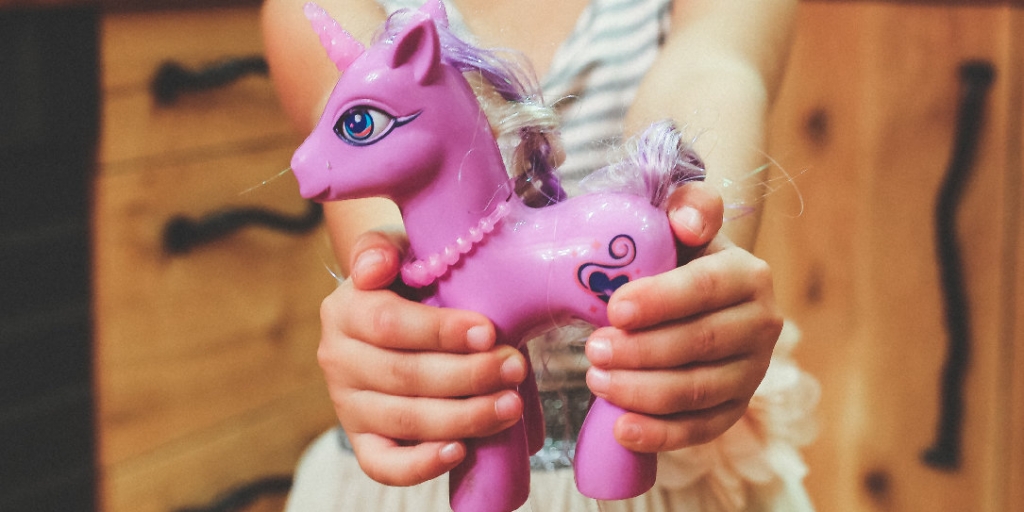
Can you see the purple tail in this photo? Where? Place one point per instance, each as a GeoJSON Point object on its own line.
{"type": "Point", "coordinates": [658, 162]}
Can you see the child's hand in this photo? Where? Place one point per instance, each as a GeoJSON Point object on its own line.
{"type": "Point", "coordinates": [408, 381]}
{"type": "Point", "coordinates": [687, 348]}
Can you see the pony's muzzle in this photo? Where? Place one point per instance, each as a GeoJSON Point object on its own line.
{"type": "Point", "coordinates": [312, 173]}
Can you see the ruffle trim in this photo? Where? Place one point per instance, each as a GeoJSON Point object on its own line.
{"type": "Point", "coordinates": [755, 465]}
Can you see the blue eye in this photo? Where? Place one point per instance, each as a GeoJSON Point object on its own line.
{"type": "Point", "coordinates": [363, 125]}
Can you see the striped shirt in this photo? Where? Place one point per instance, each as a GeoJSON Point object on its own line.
{"type": "Point", "coordinates": [594, 75]}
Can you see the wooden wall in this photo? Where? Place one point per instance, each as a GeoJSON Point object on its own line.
{"type": "Point", "coordinates": [206, 362]}
{"type": "Point", "coordinates": [865, 127]}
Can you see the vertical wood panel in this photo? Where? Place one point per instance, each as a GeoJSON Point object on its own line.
{"type": "Point", "coordinates": [136, 128]}
{"type": "Point", "coordinates": [866, 119]}
{"type": "Point", "coordinates": [201, 467]}
{"type": "Point", "coordinates": [814, 139]}
{"type": "Point", "coordinates": [205, 362]}
{"type": "Point", "coordinates": [1014, 342]}
{"type": "Point", "coordinates": [196, 353]}
{"type": "Point", "coordinates": [188, 341]}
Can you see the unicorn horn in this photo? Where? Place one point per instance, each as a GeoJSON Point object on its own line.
{"type": "Point", "coordinates": [436, 11]}
{"type": "Point", "coordinates": [341, 47]}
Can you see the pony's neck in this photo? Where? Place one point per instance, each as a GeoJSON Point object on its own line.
{"type": "Point", "coordinates": [468, 187]}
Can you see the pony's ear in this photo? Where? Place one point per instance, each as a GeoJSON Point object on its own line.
{"type": "Point", "coordinates": [341, 47]}
{"type": "Point", "coordinates": [436, 11]}
{"type": "Point", "coordinates": [419, 46]}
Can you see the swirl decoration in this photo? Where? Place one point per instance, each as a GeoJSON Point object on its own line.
{"type": "Point", "coordinates": [593, 277]}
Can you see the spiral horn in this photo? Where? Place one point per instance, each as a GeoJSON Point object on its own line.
{"type": "Point", "coordinates": [341, 47]}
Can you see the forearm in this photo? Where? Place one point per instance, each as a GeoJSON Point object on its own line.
{"type": "Point", "coordinates": [727, 123]}
{"type": "Point", "coordinates": [346, 220]}
{"type": "Point", "coordinates": [716, 77]}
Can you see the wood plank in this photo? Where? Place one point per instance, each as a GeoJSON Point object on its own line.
{"type": "Point", "coordinates": [124, 5]}
{"type": "Point", "coordinates": [184, 343]}
{"type": "Point", "coordinates": [814, 137]}
{"type": "Point", "coordinates": [205, 363]}
{"type": "Point", "coordinates": [196, 470]}
{"type": "Point", "coordinates": [138, 134]}
{"type": "Point", "coordinates": [162, 5]}
{"type": "Point", "coordinates": [983, 222]}
{"type": "Point", "coordinates": [868, 110]}
{"type": "Point", "coordinates": [135, 127]}
{"type": "Point", "coordinates": [1014, 339]}
{"type": "Point", "coordinates": [134, 44]}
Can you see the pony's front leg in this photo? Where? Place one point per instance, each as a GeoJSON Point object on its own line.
{"type": "Point", "coordinates": [604, 469]}
{"type": "Point", "coordinates": [533, 412]}
{"type": "Point", "coordinates": [495, 476]}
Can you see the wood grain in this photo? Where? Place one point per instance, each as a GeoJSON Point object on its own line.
{"type": "Point", "coordinates": [866, 123]}
{"type": "Point", "coordinates": [134, 44]}
{"type": "Point", "coordinates": [1013, 340]}
{"type": "Point", "coordinates": [190, 340]}
{"type": "Point", "coordinates": [125, 5]}
{"type": "Point", "coordinates": [135, 126]}
{"type": "Point", "coordinates": [200, 468]}
{"type": "Point", "coordinates": [205, 363]}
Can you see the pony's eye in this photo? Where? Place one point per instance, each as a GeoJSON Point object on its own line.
{"type": "Point", "coordinates": [363, 125]}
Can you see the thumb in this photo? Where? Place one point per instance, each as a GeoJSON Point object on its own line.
{"type": "Point", "coordinates": [695, 212]}
{"type": "Point", "coordinates": [376, 257]}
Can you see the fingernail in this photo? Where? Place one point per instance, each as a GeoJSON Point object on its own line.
{"type": "Point", "coordinates": [623, 311]}
{"type": "Point", "coordinates": [451, 453]}
{"type": "Point", "coordinates": [507, 407]}
{"type": "Point", "coordinates": [631, 433]}
{"type": "Point", "coordinates": [513, 371]}
{"type": "Point", "coordinates": [478, 338]}
{"type": "Point", "coordinates": [598, 381]}
{"type": "Point", "coordinates": [367, 260]}
{"type": "Point", "coordinates": [691, 219]}
{"type": "Point", "coordinates": [599, 351]}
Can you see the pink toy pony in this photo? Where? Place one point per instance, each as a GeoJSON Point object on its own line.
{"type": "Point", "coordinates": [404, 123]}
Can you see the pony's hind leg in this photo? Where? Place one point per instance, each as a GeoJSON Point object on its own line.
{"type": "Point", "coordinates": [604, 469]}
{"type": "Point", "coordinates": [495, 475]}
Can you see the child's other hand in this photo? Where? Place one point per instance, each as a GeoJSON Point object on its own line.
{"type": "Point", "coordinates": [687, 348]}
{"type": "Point", "coordinates": [409, 381]}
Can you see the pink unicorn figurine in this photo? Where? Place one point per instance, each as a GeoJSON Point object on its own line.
{"type": "Point", "coordinates": [404, 123]}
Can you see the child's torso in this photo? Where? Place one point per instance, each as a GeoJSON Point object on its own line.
{"type": "Point", "coordinates": [534, 27]}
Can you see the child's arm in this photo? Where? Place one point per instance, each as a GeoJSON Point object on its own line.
{"type": "Point", "coordinates": [717, 76]}
{"type": "Point", "coordinates": [690, 346]}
